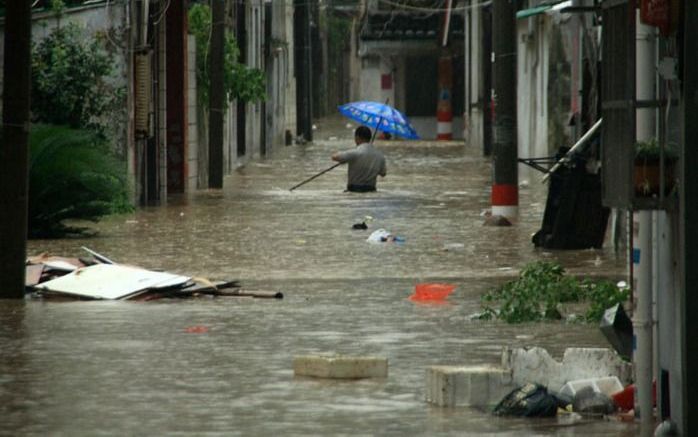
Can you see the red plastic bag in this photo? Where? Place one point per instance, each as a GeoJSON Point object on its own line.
{"type": "Point", "coordinates": [432, 291]}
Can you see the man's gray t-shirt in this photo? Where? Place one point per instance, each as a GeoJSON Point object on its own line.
{"type": "Point", "coordinates": [365, 164]}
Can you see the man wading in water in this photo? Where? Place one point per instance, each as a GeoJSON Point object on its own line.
{"type": "Point", "coordinates": [365, 162]}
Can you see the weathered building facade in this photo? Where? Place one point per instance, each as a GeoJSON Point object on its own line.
{"type": "Point", "coordinates": [413, 57]}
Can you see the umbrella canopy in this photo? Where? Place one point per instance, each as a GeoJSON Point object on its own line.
{"type": "Point", "coordinates": [380, 116]}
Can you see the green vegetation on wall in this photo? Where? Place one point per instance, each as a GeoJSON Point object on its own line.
{"type": "Point", "coordinates": [70, 80]}
{"type": "Point", "coordinates": [73, 172]}
{"type": "Point", "coordinates": [338, 33]}
{"type": "Point", "coordinates": [240, 82]}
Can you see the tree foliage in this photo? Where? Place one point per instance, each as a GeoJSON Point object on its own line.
{"type": "Point", "coordinates": [70, 80]}
{"type": "Point", "coordinates": [240, 82]}
{"type": "Point", "coordinates": [72, 175]}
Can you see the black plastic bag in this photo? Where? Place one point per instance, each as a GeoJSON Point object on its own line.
{"type": "Point", "coordinates": [531, 400]}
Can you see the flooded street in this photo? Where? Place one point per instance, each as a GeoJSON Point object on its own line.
{"type": "Point", "coordinates": [131, 368]}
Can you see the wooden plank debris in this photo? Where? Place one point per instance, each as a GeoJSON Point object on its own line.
{"type": "Point", "coordinates": [55, 277]}
{"type": "Point", "coordinates": [111, 281]}
{"type": "Point", "coordinates": [101, 258]}
{"type": "Point", "coordinates": [33, 274]}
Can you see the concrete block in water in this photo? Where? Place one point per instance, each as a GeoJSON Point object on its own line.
{"type": "Point", "coordinates": [340, 366]}
{"type": "Point", "coordinates": [471, 386]}
{"type": "Point", "coordinates": [535, 365]}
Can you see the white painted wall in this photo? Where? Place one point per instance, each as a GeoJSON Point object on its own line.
{"type": "Point", "coordinates": [372, 68]}
{"type": "Point", "coordinates": [473, 129]}
{"type": "Point", "coordinates": [532, 85]}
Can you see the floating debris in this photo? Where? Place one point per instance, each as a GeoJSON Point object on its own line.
{"type": "Point", "coordinates": [101, 278]}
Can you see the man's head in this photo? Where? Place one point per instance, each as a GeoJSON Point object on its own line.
{"type": "Point", "coordinates": [362, 134]}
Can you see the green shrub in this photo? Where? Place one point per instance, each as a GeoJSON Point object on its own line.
{"type": "Point", "coordinates": [69, 80]}
{"type": "Point", "coordinates": [650, 150]}
{"type": "Point", "coordinates": [72, 175]}
{"type": "Point", "coordinates": [539, 291]}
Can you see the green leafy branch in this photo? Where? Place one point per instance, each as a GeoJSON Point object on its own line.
{"type": "Point", "coordinates": [540, 290]}
{"type": "Point", "coordinates": [240, 82]}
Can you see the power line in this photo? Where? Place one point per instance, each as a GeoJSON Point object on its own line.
{"type": "Point", "coordinates": [423, 9]}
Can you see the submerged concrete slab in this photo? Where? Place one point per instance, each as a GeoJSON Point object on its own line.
{"type": "Point", "coordinates": [467, 386]}
{"type": "Point", "coordinates": [340, 366]}
{"type": "Point", "coordinates": [535, 365]}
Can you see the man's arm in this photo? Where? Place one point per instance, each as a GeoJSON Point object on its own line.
{"type": "Point", "coordinates": [345, 156]}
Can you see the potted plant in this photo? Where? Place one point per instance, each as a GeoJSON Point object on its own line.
{"type": "Point", "coordinates": [647, 168]}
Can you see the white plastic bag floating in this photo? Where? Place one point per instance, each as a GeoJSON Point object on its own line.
{"type": "Point", "coordinates": [382, 236]}
{"type": "Point", "coordinates": [379, 236]}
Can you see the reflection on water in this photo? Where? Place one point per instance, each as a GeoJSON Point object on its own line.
{"type": "Point", "coordinates": [125, 368]}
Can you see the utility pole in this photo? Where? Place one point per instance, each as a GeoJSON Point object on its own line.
{"type": "Point", "coordinates": [505, 189]}
{"type": "Point", "coordinates": [241, 35]}
{"type": "Point", "coordinates": [304, 101]}
{"type": "Point", "coordinates": [216, 96]}
{"type": "Point", "coordinates": [486, 70]}
{"type": "Point", "coordinates": [13, 150]}
{"type": "Point", "coordinates": [689, 215]}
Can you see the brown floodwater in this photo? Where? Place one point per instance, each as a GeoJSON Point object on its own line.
{"type": "Point", "coordinates": [133, 368]}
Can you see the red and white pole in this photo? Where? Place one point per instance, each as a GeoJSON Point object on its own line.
{"type": "Point", "coordinates": [444, 112]}
{"type": "Point", "coordinates": [505, 189]}
{"type": "Point", "coordinates": [505, 200]}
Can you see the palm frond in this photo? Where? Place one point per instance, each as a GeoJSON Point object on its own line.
{"type": "Point", "coordinates": [72, 175]}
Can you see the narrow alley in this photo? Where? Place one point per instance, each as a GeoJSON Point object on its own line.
{"type": "Point", "coordinates": [133, 369]}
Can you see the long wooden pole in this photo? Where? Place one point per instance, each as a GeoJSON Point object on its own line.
{"type": "Point", "coordinates": [313, 177]}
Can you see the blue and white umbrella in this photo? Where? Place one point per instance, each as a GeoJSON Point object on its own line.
{"type": "Point", "coordinates": [380, 116]}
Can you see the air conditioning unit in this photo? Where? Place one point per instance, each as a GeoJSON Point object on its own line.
{"type": "Point", "coordinates": [143, 94]}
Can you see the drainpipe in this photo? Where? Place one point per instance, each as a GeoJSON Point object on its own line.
{"type": "Point", "coordinates": [145, 5]}
{"type": "Point", "coordinates": [642, 316]}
